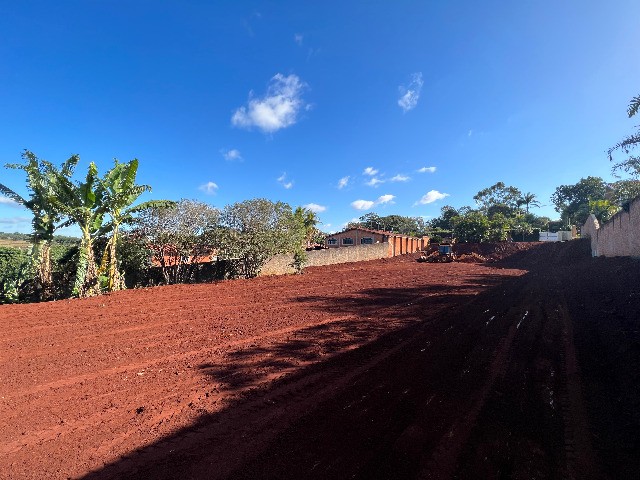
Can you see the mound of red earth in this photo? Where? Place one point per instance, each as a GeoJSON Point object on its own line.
{"type": "Point", "coordinates": [492, 251]}
{"type": "Point", "coordinates": [526, 367]}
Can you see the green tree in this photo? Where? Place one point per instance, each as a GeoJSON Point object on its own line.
{"type": "Point", "coordinates": [413, 226]}
{"type": "Point", "coordinates": [628, 144]}
{"type": "Point", "coordinates": [83, 203]}
{"type": "Point", "coordinates": [572, 201]}
{"type": "Point", "coordinates": [498, 195]}
{"type": "Point", "coordinates": [623, 191]}
{"type": "Point", "coordinates": [602, 209]}
{"type": "Point", "coordinates": [443, 222]}
{"type": "Point", "coordinates": [254, 230]}
{"type": "Point", "coordinates": [372, 221]}
{"type": "Point", "coordinates": [119, 194]}
{"type": "Point", "coordinates": [499, 227]}
{"type": "Point", "coordinates": [471, 227]}
{"type": "Point", "coordinates": [179, 236]}
{"type": "Point", "coordinates": [47, 217]}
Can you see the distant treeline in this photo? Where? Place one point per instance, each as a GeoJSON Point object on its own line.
{"type": "Point", "coordinates": [25, 237]}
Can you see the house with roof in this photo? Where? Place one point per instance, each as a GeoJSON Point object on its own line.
{"type": "Point", "coordinates": [398, 244]}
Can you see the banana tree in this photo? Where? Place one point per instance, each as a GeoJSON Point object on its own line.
{"type": "Point", "coordinates": [47, 217]}
{"type": "Point", "coordinates": [83, 204]}
{"type": "Point", "coordinates": [119, 194]}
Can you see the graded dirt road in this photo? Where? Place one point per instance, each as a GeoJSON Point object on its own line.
{"type": "Point", "coordinates": [381, 369]}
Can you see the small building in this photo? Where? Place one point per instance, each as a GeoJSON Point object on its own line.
{"type": "Point", "coordinates": [398, 244]}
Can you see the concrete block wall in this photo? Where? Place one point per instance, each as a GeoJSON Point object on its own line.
{"type": "Point", "coordinates": [281, 264]}
{"type": "Point", "coordinates": [620, 236]}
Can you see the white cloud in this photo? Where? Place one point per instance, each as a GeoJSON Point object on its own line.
{"type": "Point", "coordinates": [282, 180]}
{"type": "Point", "coordinates": [426, 170]}
{"type": "Point", "coordinates": [232, 155]}
{"type": "Point", "coordinates": [370, 171]}
{"type": "Point", "coordinates": [362, 204]}
{"type": "Point", "coordinates": [9, 202]}
{"type": "Point", "coordinates": [470, 133]}
{"type": "Point", "coordinates": [400, 178]}
{"type": "Point", "coordinates": [343, 182]}
{"type": "Point", "coordinates": [374, 182]}
{"type": "Point", "coordinates": [410, 94]}
{"type": "Point", "coordinates": [314, 207]}
{"type": "Point", "coordinates": [298, 38]}
{"type": "Point", "coordinates": [367, 204]}
{"type": "Point", "coordinates": [431, 196]}
{"type": "Point", "coordinates": [209, 188]}
{"type": "Point", "coordinates": [278, 109]}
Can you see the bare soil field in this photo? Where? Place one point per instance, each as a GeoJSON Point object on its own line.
{"type": "Point", "coordinates": [523, 367]}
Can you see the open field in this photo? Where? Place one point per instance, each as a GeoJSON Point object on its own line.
{"type": "Point", "coordinates": [525, 368]}
{"type": "Point", "coordinates": [21, 244]}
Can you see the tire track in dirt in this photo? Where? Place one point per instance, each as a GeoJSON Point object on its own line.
{"type": "Point", "coordinates": [444, 458]}
{"type": "Point", "coordinates": [581, 458]}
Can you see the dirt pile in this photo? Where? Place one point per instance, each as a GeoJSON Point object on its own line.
{"type": "Point", "coordinates": [492, 251]}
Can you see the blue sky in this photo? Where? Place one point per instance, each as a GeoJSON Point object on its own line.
{"type": "Point", "coordinates": [347, 107]}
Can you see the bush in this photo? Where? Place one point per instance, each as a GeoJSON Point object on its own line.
{"type": "Point", "coordinates": [300, 259]}
{"type": "Point", "coordinates": [14, 274]}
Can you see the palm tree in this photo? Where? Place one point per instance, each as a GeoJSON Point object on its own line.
{"type": "Point", "coordinates": [529, 199]}
{"type": "Point", "coordinates": [83, 204]}
{"type": "Point", "coordinates": [631, 164]}
{"type": "Point", "coordinates": [119, 193]}
{"type": "Point", "coordinates": [46, 215]}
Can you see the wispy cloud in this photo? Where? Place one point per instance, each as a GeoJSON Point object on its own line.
{"type": "Point", "coordinates": [374, 182]}
{"type": "Point", "coordinates": [426, 170]}
{"type": "Point", "coordinates": [410, 94]}
{"type": "Point", "coordinates": [370, 171]}
{"type": "Point", "coordinates": [314, 207]}
{"type": "Point", "coordinates": [232, 155]}
{"type": "Point", "coordinates": [9, 202]}
{"type": "Point", "coordinates": [282, 180]}
{"type": "Point", "coordinates": [277, 109]}
{"type": "Point", "coordinates": [400, 178]}
{"type": "Point", "coordinates": [15, 221]}
{"type": "Point", "coordinates": [298, 38]}
{"type": "Point", "coordinates": [430, 197]}
{"type": "Point", "coordinates": [343, 182]}
{"type": "Point", "coordinates": [367, 204]}
{"type": "Point", "coordinates": [210, 188]}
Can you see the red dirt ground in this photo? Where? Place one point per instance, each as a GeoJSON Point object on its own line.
{"type": "Point", "coordinates": [523, 368]}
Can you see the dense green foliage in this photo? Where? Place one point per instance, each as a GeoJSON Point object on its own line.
{"type": "Point", "coordinates": [14, 265]}
{"type": "Point", "coordinates": [47, 216]}
{"type": "Point", "coordinates": [593, 195]}
{"type": "Point", "coordinates": [97, 205]}
{"type": "Point", "coordinates": [254, 230]}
